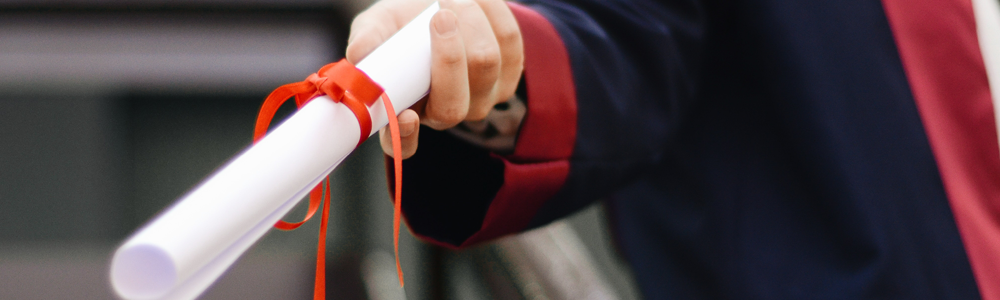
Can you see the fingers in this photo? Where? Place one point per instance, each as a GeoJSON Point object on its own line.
{"type": "Point", "coordinates": [366, 35]}
{"type": "Point", "coordinates": [369, 30]}
{"type": "Point", "coordinates": [477, 54]}
{"type": "Point", "coordinates": [409, 130]}
{"type": "Point", "coordinates": [482, 54]}
{"type": "Point", "coordinates": [375, 25]}
{"type": "Point", "coordinates": [508, 36]}
{"type": "Point", "coordinates": [448, 101]}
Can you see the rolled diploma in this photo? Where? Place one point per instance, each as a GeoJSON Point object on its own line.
{"type": "Point", "coordinates": [184, 250]}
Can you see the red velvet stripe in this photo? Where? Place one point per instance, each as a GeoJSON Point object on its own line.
{"type": "Point", "coordinates": [526, 187]}
{"type": "Point", "coordinates": [549, 129]}
{"type": "Point", "coordinates": [940, 53]}
{"type": "Point", "coordinates": [540, 163]}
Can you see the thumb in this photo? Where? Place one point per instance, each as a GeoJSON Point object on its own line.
{"type": "Point", "coordinates": [409, 130]}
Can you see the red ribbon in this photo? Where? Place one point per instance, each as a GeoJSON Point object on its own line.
{"type": "Point", "coordinates": [344, 83]}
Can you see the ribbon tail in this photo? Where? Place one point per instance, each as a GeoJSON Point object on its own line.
{"type": "Point", "coordinates": [273, 102]}
{"type": "Point", "coordinates": [397, 160]}
{"type": "Point", "coordinates": [315, 198]}
{"type": "Point", "coordinates": [319, 291]}
{"type": "Point", "coordinates": [267, 110]}
{"type": "Point", "coordinates": [343, 83]}
{"type": "Point", "coordinates": [361, 112]}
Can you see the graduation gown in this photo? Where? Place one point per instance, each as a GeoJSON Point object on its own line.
{"type": "Point", "coordinates": [745, 149]}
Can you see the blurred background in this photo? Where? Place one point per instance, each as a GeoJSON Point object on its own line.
{"type": "Point", "coordinates": [111, 110]}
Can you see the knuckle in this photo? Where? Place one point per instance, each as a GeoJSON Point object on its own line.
{"type": "Point", "coordinates": [450, 58]}
{"type": "Point", "coordinates": [504, 93]}
{"type": "Point", "coordinates": [508, 35]}
{"type": "Point", "coordinates": [484, 58]}
{"type": "Point", "coordinates": [514, 65]}
{"type": "Point", "coordinates": [478, 114]}
{"type": "Point", "coordinates": [447, 118]}
{"type": "Point", "coordinates": [482, 90]}
{"type": "Point", "coordinates": [454, 118]}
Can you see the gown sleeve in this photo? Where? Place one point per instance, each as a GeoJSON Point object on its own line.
{"type": "Point", "coordinates": [605, 84]}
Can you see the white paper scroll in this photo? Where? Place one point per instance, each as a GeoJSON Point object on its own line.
{"type": "Point", "coordinates": [183, 251]}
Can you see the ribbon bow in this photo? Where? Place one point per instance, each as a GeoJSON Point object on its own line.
{"type": "Point", "coordinates": [344, 83]}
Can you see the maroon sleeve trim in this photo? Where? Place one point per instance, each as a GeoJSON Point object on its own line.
{"type": "Point", "coordinates": [539, 166]}
{"type": "Point", "coordinates": [526, 187]}
{"type": "Point", "coordinates": [944, 66]}
{"type": "Point", "coordinates": [540, 163]}
{"type": "Point", "coordinates": [549, 129]}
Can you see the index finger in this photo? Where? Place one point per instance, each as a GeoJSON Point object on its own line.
{"type": "Point", "coordinates": [378, 23]}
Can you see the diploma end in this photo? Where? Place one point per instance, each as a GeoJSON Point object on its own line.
{"type": "Point", "coordinates": [142, 272]}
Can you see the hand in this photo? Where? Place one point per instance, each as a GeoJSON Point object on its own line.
{"type": "Point", "coordinates": [477, 57]}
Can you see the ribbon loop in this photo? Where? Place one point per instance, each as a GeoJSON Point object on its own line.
{"type": "Point", "coordinates": [344, 74]}
{"type": "Point", "coordinates": [343, 83]}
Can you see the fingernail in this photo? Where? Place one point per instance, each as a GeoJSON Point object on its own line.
{"type": "Point", "coordinates": [446, 24]}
